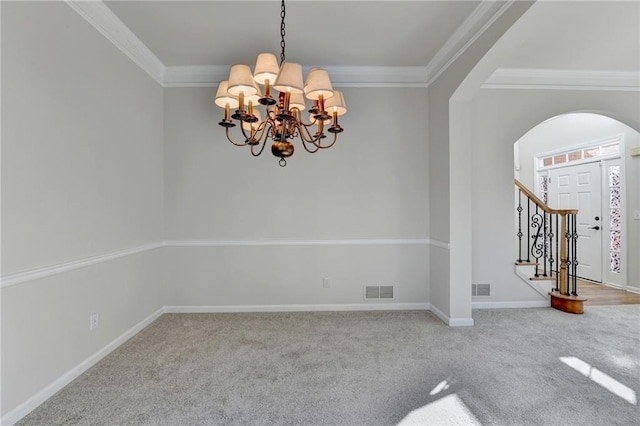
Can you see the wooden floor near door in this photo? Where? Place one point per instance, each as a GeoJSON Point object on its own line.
{"type": "Point", "coordinates": [599, 294]}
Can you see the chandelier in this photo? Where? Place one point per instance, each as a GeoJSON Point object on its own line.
{"type": "Point", "coordinates": [283, 113]}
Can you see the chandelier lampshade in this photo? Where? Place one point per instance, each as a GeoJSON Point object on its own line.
{"type": "Point", "coordinates": [318, 84]}
{"type": "Point", "coordinates": [290, 78]}
{"type": "Point", "coordinates": [241, 81]}
{"type": "Point", "coordinates": [223, 97]}
{"type": "Point", "coordinates": [266, 68]}
{"type": "Point", "coordinates": [297, 101]}
{"type": "Point", "coordinates": [281, 121]}
{"type": "Point", "coordinates": [336, 103]}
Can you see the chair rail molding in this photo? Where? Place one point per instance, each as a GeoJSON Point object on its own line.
{"type": "Point", "coordinates": [46, 271]}
{"type": "Point", "coordinates": [355, 242]}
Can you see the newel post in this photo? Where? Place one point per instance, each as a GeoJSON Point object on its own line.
{"type": "Point", "coordinates": [564, 255]}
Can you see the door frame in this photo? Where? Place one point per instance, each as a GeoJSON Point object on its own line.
{"type": "Point", "coordinates": [609, 278]}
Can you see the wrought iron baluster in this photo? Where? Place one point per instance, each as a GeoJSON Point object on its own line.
{"type": "Point", "coordinates": [528, 229]}
{"type": "Point", "coordinates": [550, 244]}
{"type": "Point", "coordinates": [544, 243]}
{"type": "Point", "coordinates": [558, 255]}
{"type": "Point", "coordinates": [569, 238]}
{"type": "Point", "coordinates": [537, 249]}
{"type": "Point", "coordinates": [575, 255]}
{"type": "Point", "coordinates": [519, 226]}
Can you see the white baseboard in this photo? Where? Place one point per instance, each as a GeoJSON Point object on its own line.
{"type": "Point", "coordinates": [29, 405]}
{"type": "Point", "coordinates": [452, 322]}
{"type": "Point", "coordinates": [461, 322]}
{"type": "Point", "coordinates": [633, 289]}
{"type": "Point", "coordinates": [298, 308]}
{"type": "Point", "coordinates": [437, 312]}
{"type": "Point", "coordinates": [511, 305]}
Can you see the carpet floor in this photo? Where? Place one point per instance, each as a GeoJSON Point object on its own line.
{"type": "Point", "coordinates": [515, 367]}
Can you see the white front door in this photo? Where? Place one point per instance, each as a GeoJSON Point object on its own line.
{"type": "Point", "coordinates": [579, 187]}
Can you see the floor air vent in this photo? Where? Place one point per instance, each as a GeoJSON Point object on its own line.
{"type": "Point", "coordinates": [378, 292]}
{"type": "Point", "coordinates": [481, 290]}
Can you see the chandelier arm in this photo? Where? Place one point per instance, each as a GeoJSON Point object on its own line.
{"type": "Point", "coordinates": [235, 143]}
{"type": "Point", "coordinates": [261, 128]}
{"type": "Point", "coordinates": [311, 151]}
{"type": "Point", "coordinates": [335, 138]}
{"type": "Point", "coordinates": [264, 143]}
{"type": "Point", "coordinates": [311, 139]}
{"type": "Point", "coordinates": [299, 118]}
{"type": "Point", "coordinates": [304, 142]}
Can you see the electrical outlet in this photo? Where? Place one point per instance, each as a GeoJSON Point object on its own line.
{"type": "Point", "coordinates": [93, 321]}
{"type": "Point", "coordinates": [326, 283]}
{"type": "Point", "coordinates": [636, 215]}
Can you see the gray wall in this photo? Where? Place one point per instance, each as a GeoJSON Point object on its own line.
{"type": "Point", "coordinates": [449, 169]}
{"type": "Point", "coordinates": [81, 176]}
{"type": "Point", "coordinates": [498, 120]}
{"type": "Point", "coordinates": [372, 184]}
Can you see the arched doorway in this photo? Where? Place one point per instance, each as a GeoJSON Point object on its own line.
{"type": "Point", "coordinates": [581, 161]}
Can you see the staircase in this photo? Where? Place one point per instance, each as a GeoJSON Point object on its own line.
{"type": "Point", "coordinates": [547, 250]}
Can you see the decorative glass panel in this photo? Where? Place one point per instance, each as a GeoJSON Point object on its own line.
{"type": "Point", "coordinates": [614, 265]}
{"type": "Point", "coordinates": [614, 197]}
{"type": "Point", "coordinates": [559, 159]}
{"type": "Point", "coordinates": [547, 161]}
{"type": "Point", "coordinates": [615, 218]}
{"type": "Point", "coordinates": [615, 240]}
{"type": "Point", "coordinates": [614, 176]}
{"type": "Point", "coordinates": [575, 156]}
{"type": "Point", "coordinates": [543, 184]}
{"type": "Point", "coordinates": [591, 152]}
{"type": "Point", "coordinates": [610, 149]}
{"type": "Point", "coordinates": [615, 236]}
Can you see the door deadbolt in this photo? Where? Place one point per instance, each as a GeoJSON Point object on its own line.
{"type": "Point", "coordinates": [597, 217]}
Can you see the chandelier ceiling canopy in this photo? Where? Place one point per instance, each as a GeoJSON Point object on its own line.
{"type": "Point", "coordinates": [282, 119]}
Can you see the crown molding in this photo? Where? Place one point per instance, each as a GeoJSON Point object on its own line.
{"type": "Point", "coordinates": [529, 78]}
{"type": "Point", "coordinates": [341, 76]}
{"type": "Point", "coordinates": [109, 25]}
{"type": "Point", "coordinates": [473, 27]}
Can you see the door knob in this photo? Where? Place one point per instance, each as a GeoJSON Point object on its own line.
{"type": "Point", "coordinates": [594, 227]}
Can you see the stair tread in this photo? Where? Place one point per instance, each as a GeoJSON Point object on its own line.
{"type": "Point", "coordinates": [564, 296]}
{"type": "Point", "coordinates": [526, 263]}
{"type": "Point", "coordinates": [541, 278]}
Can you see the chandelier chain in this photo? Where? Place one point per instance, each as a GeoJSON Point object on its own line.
{"type": "Point", "coordinates": [283, 13]}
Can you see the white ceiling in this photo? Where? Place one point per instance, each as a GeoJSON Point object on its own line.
{"type": "Point", "coordinates": [348, 33]}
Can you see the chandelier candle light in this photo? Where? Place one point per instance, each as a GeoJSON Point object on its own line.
{"type": "Point", "coordinates": [283, 120]}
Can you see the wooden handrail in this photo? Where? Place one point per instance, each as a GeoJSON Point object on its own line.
{"type": "Point", "coordinates": [538, 202]}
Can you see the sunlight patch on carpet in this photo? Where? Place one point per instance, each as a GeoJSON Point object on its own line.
{"type": "Point", "coordinates": [604, 380]}
{"type": "Point", "coordinates": [449, 410]}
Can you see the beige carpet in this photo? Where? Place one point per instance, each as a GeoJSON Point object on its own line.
{"type": "Point", "coordinates": [524, 366]}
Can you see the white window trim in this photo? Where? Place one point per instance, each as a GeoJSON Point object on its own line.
{"type": "Point", "coordinates": [566, 150]}
{"type": "Point", "coordinates": [608, 277]}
